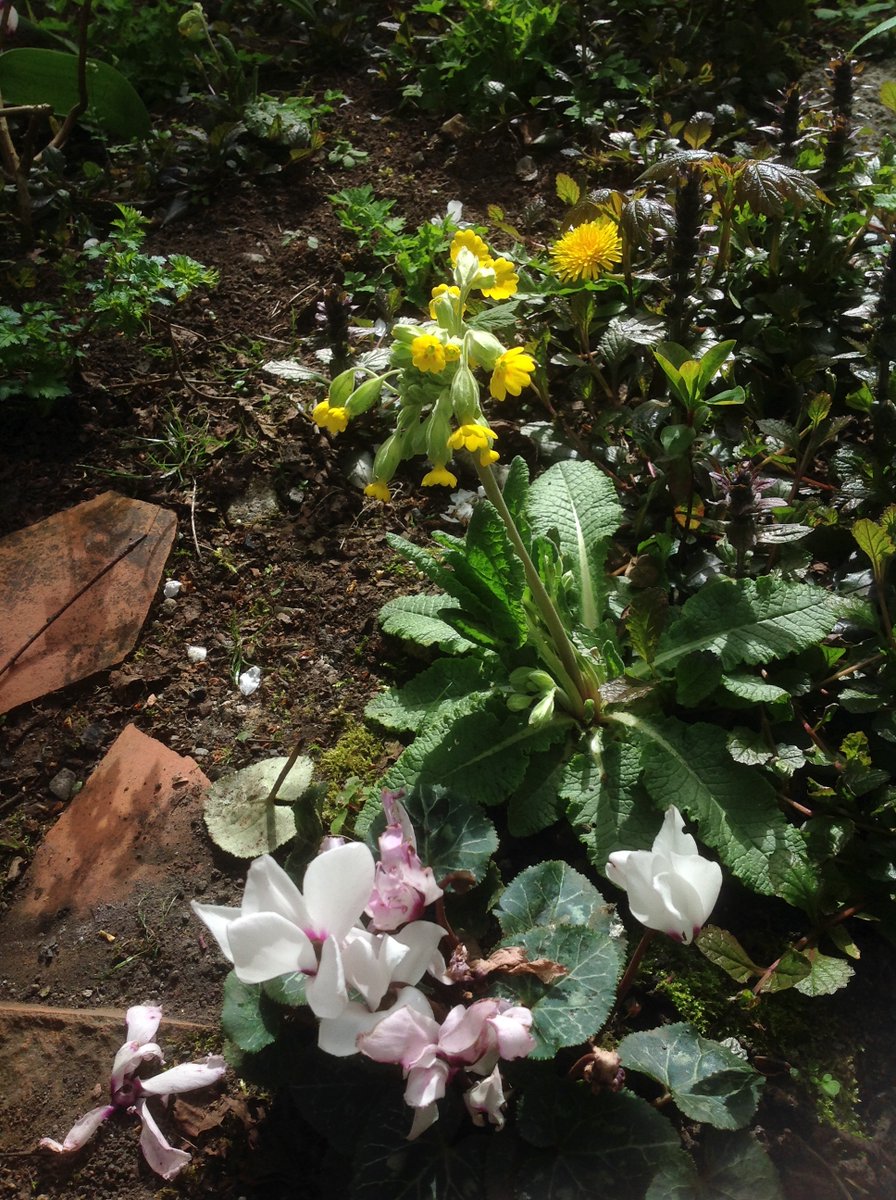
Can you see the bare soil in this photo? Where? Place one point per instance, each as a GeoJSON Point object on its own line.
{"type": "Point", "coordinates": [295, 588]}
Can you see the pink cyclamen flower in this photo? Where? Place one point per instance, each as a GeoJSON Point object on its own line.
{"type": "Point", "coordinates": [402, 886]}
{"type": "Point", "coordinates": [130, 1094]}
{"type": "Point", "coordinates": [470, 1039]}
{"type": "Point", "coordinates": [670, 887]}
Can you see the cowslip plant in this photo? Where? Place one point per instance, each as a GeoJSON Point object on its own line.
{"type": "Point", "coordinates": [513, 1027]}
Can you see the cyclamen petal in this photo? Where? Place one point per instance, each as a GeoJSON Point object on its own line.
{"type": "Point", "coordinates": [186, 1077]}
{"type": "Point", "coordinates": [403, 1037]}
{"type": "Point", "coordinates": [164, 1159]}
{"type": "Point", "coordinates": [426, 1084]}
{"type": "Point", "coordinates": [486, 1100]}
{"type": "Point", "coordinates": [142, 1023]}
{"type": "Point", "coordinates": [336, 888]}
{"type": "Point", "coordinates": [339, 1035]}
{"type": "Point", "coordinates": [326, 992]}
{"type": "Point", "coordinates": [265, 945]}
{"type": "Point", "coordinates": [128, 1058]}
{"type": "Point", "coordinates": [82, 1130]}
{"type": "Point", "coordinates": [270, 889]}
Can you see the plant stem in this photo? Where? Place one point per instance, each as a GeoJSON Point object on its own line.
{"type": "Point", "coordinates": [562, 644]}
{"type": "Point", "coordinates": [633, 967]}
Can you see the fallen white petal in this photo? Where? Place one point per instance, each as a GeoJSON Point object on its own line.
{"type": "Point", "coordinates": [197, 654]}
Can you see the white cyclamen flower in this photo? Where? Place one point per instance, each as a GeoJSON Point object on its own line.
{"type": "Point", "coordinates": [670, 888]}
{"type": "Point", "coordinates": [130, 1093]}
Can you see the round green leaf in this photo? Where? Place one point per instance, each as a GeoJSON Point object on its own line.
{"type": "Point", "coordinates": [237, 813]}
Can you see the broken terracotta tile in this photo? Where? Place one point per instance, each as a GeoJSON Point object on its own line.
{"type": "Point", "coordinates": [43, 1049]}
{"type": "Point", "coordinates": [45, 566]}
{"type": "Point", "coordinates": [123, 830]}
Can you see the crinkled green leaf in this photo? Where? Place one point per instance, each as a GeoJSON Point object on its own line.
{"type": "Point", "coordinates": [425, 620]}
{"type": "Point", "coordinates": [604, 801]}
{"type": "Point", "coordinates": [696, 676]}
{"type": "Point", "coordinates": [875, 541]}
{"type": "Point", "coordinates": [536, 802]}
{"type": "Point", "coordinates": [723, 949]}
{"type": "Point", "coordinates": [585, 1147]}
{"type": "Point", "coordinates": [752, 688]}
{"type": "Point", "coordinates": [481, 756]}
{"type": "Point", "coordinates": [707, 1081]}
{"type": "Point", "coordinates": [448, 681]}
{"type": "Point", "coordinates": [792, 967]}
{"type": "Point", "coordinates": [579, 502]}
{"type": "Point", "coordinates": [735, 806]}
{"type": "Point", "coordinates": [768, 186]}
{"type": "Point", "coordinates": [751, 621]}
{"type": "Point", "coordinates": [248, 1017]}
{"type": "Point", "coordinates": [826, 975]}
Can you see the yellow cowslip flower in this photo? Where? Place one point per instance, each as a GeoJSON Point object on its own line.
{"type": "Point", "coordinates": [466, 239]}
{"type": "Point", "coordinates": [511, 373]}
{"type": "Point", "coordinates": [452, 352]}
{"type": "Point", "coordinates": [487, 457]}
{"type": "Point", "coordinates": [472, 437]}
{"type": "Point", "coordinates": [439, 477]}
{"type": "Point", "coordinates": [587, 251]}
{"type": "Point", "coordinates": [334, 420]}
{"type": "Point", "coordinates": [506, 280]}
{"type": "Point", "coordinates": [428, 353]}
{"type": "Point", "coordinates": [378, 490]}
{"type": "Point", "coordinates": [443, 289]}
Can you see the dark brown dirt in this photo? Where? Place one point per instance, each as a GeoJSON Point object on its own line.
{"type": "Point", "coordinates": [296, 593]}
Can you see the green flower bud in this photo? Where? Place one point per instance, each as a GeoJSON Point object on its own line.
{"type": "Point", "coordinates": [388, 457]}
{"type": "Point", "coordinates": [465, 396]}
{"type": "Point", "coordinates": [405, 334]}
{"type": "Point", "coordinates": [341, 388]}
{"type": "Point", "coordinates": [466, 268]}
{"type": "Point", "coordinates": [543, 710]}
{"type": "Point", "coordinates": [192, 24]}
{"type": "Point", "coordinates": [438, 430]}
{"type": "Point", "coordinates": [365, 396]}
{"type": "Point", "coordinates": [518, 701]}
{"type": "Point", "coordinates": [482, 349]}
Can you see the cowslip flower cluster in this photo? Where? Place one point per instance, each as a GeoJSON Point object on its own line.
{"type": "Point", "coordinates": [433, 381]}
{"type": "Point", "coordinates": [671, 887]}
{"type": "Point", "coordinates": [587, 251]}
{"type": "Point", "coordinates": [359, 979]}
{"type": "Point", "coordinates": [129, 1093]}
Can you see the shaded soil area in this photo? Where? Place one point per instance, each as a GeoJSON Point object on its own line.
{"type": "Point", "coordinates": [284, 565]}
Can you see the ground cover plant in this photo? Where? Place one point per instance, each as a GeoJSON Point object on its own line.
{"type": "Point", "coordinates": [614, 459]}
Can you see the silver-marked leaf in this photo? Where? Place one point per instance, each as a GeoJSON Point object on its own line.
{"type": "Point", "coordinates": [453, 834]}
{"type": "Point", "coordinates": [248, 1017]}
{"type": "Point", "coordinates": [551, 896]}
{"type": "Point", "coordinates": [707, 1081]}
{"type": "Point", "coordinates": [735, 1167]}
{"type": "Point", "coordinates": [238, 815]}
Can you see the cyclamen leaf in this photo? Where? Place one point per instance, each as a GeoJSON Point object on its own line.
{"type": "Point", "coordinates": [453, 834]}
{"type": "Point", "coordinates": [751, 620]}
{"type": "Point", "coordinates": [248, 1018]}
{"type": "Point", "coordinates": [707, 1081]}
{"type": "Point", "coordinates": [554, 912]}
{"type": "Point", "coordinates": [579, 502]}
{"type": "Point", "coordinates": [424, 620]}
{"type": "Point", "coordinates": [735, 1167]}
{"type": "Point", "coordinates": [584, 1146]}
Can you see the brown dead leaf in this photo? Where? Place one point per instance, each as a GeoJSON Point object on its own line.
{"type": "Point", "coordinates": [514, 961]}
{"type": "Point", "coordinates": [193, 1119]}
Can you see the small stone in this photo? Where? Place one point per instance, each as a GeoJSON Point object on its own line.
{"type": "Point", "coordinates": [200, 752]}
{"type": "Point", "coordinates": [62, 785]}
{"type": "Point", "coordinates": [93, 736]}
{"type": "Point", "coordinates": [169, 606]}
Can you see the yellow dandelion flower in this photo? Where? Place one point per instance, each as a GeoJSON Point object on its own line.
{"type": "Point", "coordinates": [334, 420]}
{"type": "Point", "coordinates": [587, 251]}
{"type": "Point", "coordinates": [428, 353]}
{"type": "Point", "coordinates": [378, 490]}
{"type": "Point", "coordinates": [466, 239]}
{"type": "Point", "coordinates": [512, 373]}
{"type": "Point", "coordinates": [506, 280]}
{"type": "Point", "coordinates": [443, 289]}
{"type": "Point", "coordinates": [471, 437]}
{"type": "Point", "coordinates": [487, 457]}
{"type": "Point", "coordinates": [439, 477]}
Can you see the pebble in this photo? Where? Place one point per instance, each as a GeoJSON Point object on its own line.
{"type": "Point", "coordinates": [62, 785]}
{"type": "Point", "coordinates": [169, 606]}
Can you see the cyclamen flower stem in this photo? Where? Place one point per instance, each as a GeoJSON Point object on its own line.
{"type": "Point", "coordinates": [546, 607]}
{"type": "Point", "coordinates": [631, 971]}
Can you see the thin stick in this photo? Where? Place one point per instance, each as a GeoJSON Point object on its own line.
{"type": "Point", "coordinates": [279, 781]}
{"type": "Point", "coordinates": [77, 596]}
{"type": "Point", "coordinates": [193, 521]}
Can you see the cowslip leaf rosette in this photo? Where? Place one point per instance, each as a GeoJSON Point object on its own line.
{"type": "Point", "coordinates": [433, 382]}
